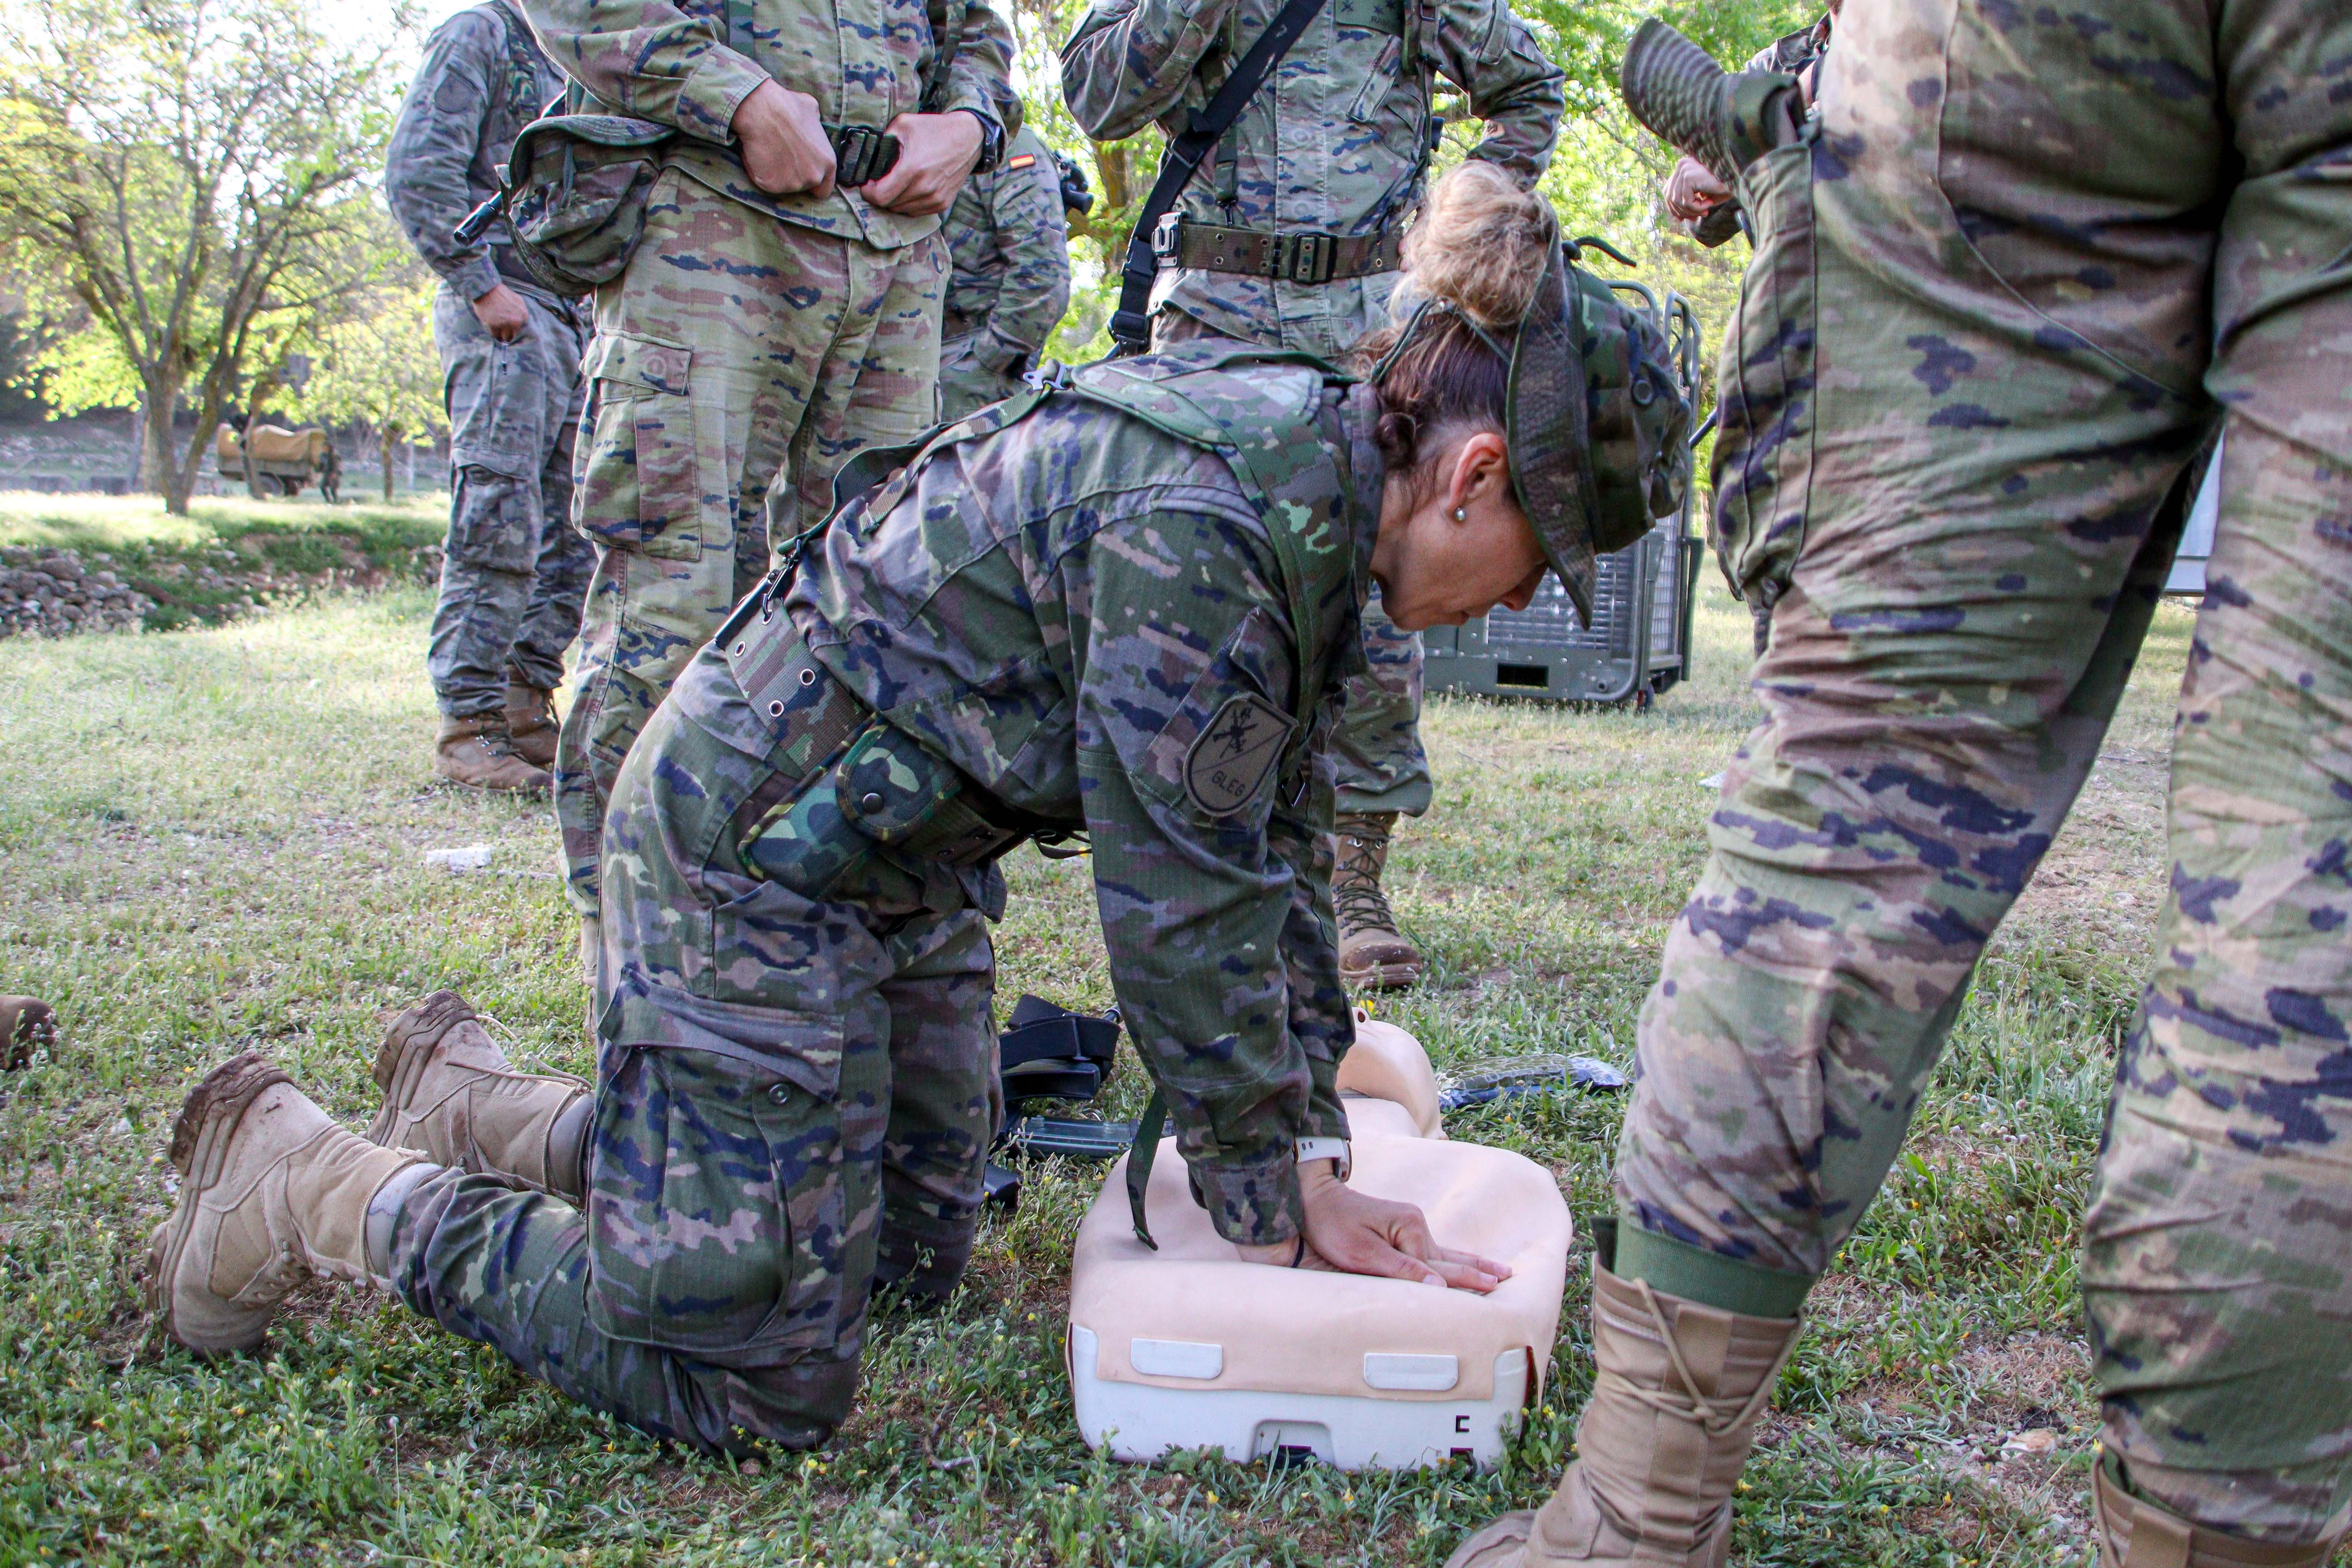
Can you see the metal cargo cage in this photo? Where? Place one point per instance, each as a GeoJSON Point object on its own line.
{"type": "Point", "coordinates": [1638, 642]}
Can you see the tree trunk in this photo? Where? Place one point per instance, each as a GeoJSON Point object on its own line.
{"type": "Point", "coordinates": [388, 434]}
{"type": "Point", "coordinates": [139, 447]}
{"type": "Point", "coordinates": [157, 471]}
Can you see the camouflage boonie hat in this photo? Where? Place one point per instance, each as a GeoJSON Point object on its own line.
{"type": "Point", "coordinates": [1597, 421]}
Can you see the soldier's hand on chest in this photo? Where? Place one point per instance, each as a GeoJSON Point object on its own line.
{"type": "Point", "coordinates": [936, 154]}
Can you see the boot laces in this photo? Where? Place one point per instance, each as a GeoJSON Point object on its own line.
{"type": "Point", "coordinates": [1356, 890]}
{"type": "Point", "coordinates": [1717, 1417]}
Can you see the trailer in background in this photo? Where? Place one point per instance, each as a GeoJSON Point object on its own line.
{"type": "Point", "coordinates": [1639, 644]}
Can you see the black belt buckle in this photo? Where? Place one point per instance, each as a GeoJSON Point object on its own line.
{"type": "Point", "coordinates": [1304, 258]}
{"type": "Point", "coordinates": [862, 154]}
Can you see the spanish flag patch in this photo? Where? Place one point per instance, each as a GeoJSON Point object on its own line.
{"type": "Point", "coordinates": [1023, 162]}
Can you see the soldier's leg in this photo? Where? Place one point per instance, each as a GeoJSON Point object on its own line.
{"type": "Point", "coordinates": [2217, 1268]}
{"type": "Point", "coordinates": [559, 572]}
{"type": "Point", "coordinates": [967, 382]}
{"type": "Point", "coordinates": [699, 374]}
{"type": "Point", "coordinates": [946, 1103]}
{"type": "Point", "coordinates": [1382, 773]}
{"type": "Point", "coordinates": [875, 384]}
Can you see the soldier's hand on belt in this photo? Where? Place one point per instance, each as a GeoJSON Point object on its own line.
{"type": "Point", "coordinates": [1693, 191]}
{"type": "Point", "coordinates": [935, 153]}
{"type": "Point", "coordinates": [502, 313]}
{"type": "Point", "coordinates": [785, 150]}
{"type": "Point", "coordinates": [1349, 1232]}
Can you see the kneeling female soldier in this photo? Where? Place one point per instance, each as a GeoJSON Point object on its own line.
{"type": "Point", "coordinates": [1123, 608]}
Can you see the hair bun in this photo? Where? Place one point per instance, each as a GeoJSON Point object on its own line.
{"type": "Point", "coordinates": [1482, 244]}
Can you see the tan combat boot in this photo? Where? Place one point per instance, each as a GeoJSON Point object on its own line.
{"type": "Point", "coordinates": [530, 722]}
{"type": "Point", "coordinates": [450, 1092]}
{"type": "Point", "coordinates": [28, 1024]}
{"type": "Point", "coordinates": [1374, 954]}
{"type": "Point", "coordinates": [273, 1192]}
{"type": "Point", "coordinates": [2135, 1533]}
{"type": "Point", "coordinates": [477, 752]}
{"type": "Point", "coordinates": [1678, 1392]}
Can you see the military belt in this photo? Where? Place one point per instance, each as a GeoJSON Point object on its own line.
{"type": "Point", "coordinates": [861, 154]}
{"type": "Point", "coordinates": [1286, 257]}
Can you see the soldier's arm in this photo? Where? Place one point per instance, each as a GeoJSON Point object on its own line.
{"type": "Point", "coordinates": [433, 145]}
{"type": "Point", "coordinates": [1027, 212]}
{"type": "Point", "coordinates": [1128, 63]}
{"type": "Point", "coordinates": [1489, 52]}
{"type": "Point", "coordinates": [650, 59]}
{"type": "Point", "coordinates": [981, 79]}
{"type": "Point", "coordinates": [1182, 725]}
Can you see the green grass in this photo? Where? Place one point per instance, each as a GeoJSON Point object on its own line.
{"type": "Point", "coordinates": [212, 841]}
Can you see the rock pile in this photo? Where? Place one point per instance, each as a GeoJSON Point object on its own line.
{"type": "Point", "coordinates": [50, 593]}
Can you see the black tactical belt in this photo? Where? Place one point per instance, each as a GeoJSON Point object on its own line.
{"type": "Point", "coordinates": [1289, 257]}
{"type": "Point", "coordinates": [862, 154]}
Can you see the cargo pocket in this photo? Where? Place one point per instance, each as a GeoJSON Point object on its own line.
{"type": "Point", "coordinates": [717, 1213]}
{"type": "Point", "coordinates": [1765, 383]}
{"type": "Point", "coordinates": [641, 478]}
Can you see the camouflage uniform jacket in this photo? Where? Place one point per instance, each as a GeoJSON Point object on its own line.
{"type": "Point", "coordinates": [1336, 142]}
{"type": "Point", "coordinates": [1797, 50]}
{"type": "Point", "coordinates": [1091, 620]}
{"type": "Point", "coordinates": [1011, 253]}
{"type": "Point", "coordinates": [691, 63]}
{"type": "Point", "coordinates": [482, 80]}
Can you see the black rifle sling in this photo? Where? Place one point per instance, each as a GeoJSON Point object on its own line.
{"type": "Point", "coordinates": [1131, 328]}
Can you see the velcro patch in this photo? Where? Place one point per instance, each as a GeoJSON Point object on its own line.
{"type": "Point", "coordinates": [1234, 754]}
{"type": "Point", "coordinates": [1023, 162]}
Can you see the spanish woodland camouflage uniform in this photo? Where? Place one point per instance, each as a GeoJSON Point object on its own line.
{"type": "Point", "coordinates": [2005, 286]}
{"type": "Point", "coordinates": [1335, 141]}
{"type": "Point", "coordinates": [1010, 246]}
{"type": "Point", "coordinates": [515, 571]}
{"type": "Point", "coordinates": [1079, 622]}
{"type": "Point", "coordinates": [753, 344]}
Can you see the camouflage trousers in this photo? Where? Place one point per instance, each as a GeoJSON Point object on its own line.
{"type": "Point", "coordinates": [514, 572]}
{"type": "Point", "coordinates": [795, 1102]}
{"type": "Point", "coordinates": [737, 365]}
{"type": "Point", "coordinates": [1376, 748]}
{"type": "Point", "coordinates": [2001, 291]}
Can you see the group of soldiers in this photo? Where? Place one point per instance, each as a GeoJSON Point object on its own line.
{"type": "Point", "coordinates": [2011, 270]}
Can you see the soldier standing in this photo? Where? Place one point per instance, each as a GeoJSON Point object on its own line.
{"type": "Point", "coordinates": [1122, 608]}
{"type": "Point", "coordinates": [2010, 273]}
{"type": "Point", "coordinates": [515, 571]}
{"type": "Point", "coordinates": [1011, 279]}
{"type": "Point", "coordinates": [1327, 161]}
{"type": "Point", "coordinates": [781, 311]}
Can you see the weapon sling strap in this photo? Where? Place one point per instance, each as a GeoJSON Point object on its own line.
{"type": "Point", "coordinates": [1131, 327]}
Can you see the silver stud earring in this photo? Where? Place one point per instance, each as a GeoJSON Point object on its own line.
{"type": "Point", "coordinates": [1461, 514]}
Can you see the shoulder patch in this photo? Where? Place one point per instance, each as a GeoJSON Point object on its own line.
{"type": "Point", "coordinates": [1025, 161]}
{"type": "Point", "coordinates": [1234, 754]}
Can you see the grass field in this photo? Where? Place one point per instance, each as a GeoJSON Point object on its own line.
{"type": "Point", "coordinates": [212, 840]}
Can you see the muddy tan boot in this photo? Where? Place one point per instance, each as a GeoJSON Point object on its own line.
{"type": "Point", "coordinates": [2136, 1533]}
{"type": "Point", "coordinates": [273, 1191]}
{"type": "Point", "coordinates": [530, 722]}
{"type": "Point", "coordinates": [1678, 1391]}
{"type": "Point", "coordinates": [450, 1092]}
{"type": "Point", "coordinates": [28, 1024]}
{"type": "Point", "coordinates": [477, 752]}
{"type": "Point", "coordinates": [1374, 954]}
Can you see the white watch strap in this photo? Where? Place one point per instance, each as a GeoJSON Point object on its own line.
{"type": "Point", "coordinates": [1333, 1149]}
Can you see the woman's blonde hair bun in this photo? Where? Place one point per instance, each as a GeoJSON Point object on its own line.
{"type": "Point", "coordinates": [1481, 244]}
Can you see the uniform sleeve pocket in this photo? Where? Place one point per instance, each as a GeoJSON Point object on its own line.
{"type": "Point", "coordinates": [717, 1206]}
{"type": "Point", "coordinates": [642, 479]}
{"type": "Point", "coordinates": [1765, 385]}
{"type": "Point", "coordinates": [1217, 752]}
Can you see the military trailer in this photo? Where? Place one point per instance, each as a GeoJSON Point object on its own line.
{"type": "Point", "coordinates": [1639, 644]}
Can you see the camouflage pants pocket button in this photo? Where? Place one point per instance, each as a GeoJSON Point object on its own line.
{"type": "Point", "coordinates": [717, 1206]}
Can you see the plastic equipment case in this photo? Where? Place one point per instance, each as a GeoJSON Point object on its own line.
{"type": "Point", "coordinates": [1638, 642]}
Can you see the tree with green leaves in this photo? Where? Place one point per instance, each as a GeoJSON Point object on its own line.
{"type": "Point", "coordinates": [379, 370]}
{"type": "Point", "coordinates": [189, 176]}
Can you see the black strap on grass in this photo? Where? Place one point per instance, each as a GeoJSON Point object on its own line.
{"type": "Point", "coordinates": [1139, 1158]}
{"type": "Point", "coordinates": [1131, 327]}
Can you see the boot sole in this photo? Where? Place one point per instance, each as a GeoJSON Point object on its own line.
{"type": "Point", "coordinates": [1384, 976]}
{"type": "Point", "coordinates": [406, 1050]}
{"type": "Point", "coordinates": [200, 1136]}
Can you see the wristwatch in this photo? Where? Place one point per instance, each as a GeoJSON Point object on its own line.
{"type": "Point", "coordinates": [1335, 1149]}
{"type": "Point", "coordinates": [991, 141]}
